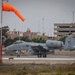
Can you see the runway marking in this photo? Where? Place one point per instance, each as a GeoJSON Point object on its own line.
{"type": "Point", "coordinates": [41, 59]}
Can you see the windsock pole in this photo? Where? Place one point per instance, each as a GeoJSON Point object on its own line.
{"type": "Point", "coordinates": [1, 35]}
{"type": "Point", "coordinates": [0, 53]}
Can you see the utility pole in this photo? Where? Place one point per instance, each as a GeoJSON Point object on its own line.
{"type": "Point", "coordinates": [38, 26]}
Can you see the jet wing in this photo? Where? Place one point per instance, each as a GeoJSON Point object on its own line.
{"type": "Point", "coordinates": [39, 51]}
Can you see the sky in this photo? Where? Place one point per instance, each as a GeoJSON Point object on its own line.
{"type": "Point", "coordinates": [40, 15]}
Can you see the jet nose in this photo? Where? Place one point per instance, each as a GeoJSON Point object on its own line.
{"type": "Point", "coordinates": [7, 48]}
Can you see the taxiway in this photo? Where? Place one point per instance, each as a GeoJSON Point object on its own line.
{"type": "Point", "coordinates": [51, 59]}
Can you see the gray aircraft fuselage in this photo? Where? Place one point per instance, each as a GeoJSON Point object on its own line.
{"type": "Point", "coordinates": [21, 45]}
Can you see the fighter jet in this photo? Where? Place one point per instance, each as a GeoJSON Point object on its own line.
{"type": "Point", "coordinates": [39, 49]}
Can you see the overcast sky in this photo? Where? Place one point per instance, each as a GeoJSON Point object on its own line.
{"type": "Point", "coordinates": [53, 11]}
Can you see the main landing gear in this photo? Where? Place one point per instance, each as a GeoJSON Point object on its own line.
{"type": "Point", "coordinates": [42, 54]}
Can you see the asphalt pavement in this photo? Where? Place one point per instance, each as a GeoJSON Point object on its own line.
{"type": "Point", "coordinates": [51, 59]}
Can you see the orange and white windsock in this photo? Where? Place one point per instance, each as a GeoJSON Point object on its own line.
{"type": "Point", "coordinates": [9, 7]}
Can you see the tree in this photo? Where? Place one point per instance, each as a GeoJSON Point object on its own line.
{"type": "Point", "coordinates": [22, 38]}
{"type": "Point", "coordinates": [39, 40]}
{"type": "Point", "coordinates": [5, 35]}
{"type": "Point", "coordinates": [62, 39]}
{"type": "Point", "coordinates": [25, 39]}
{"type": "Point", "coordinates": [8, 42]}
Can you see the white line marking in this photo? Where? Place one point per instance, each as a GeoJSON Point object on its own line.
{"type": "Point", "coordinates": [66, 59]}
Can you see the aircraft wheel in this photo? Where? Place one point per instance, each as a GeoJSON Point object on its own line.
{"type": "Point", "coordinates": [53, 52]}
{"type": "Point", "coordinates": [39, 55]}
{"type": "Point", "coordinates": [45, 55]}
{"type": "Point", "coordinates": [18, 55]}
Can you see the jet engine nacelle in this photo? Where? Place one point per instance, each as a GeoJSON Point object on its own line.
{"type": "Point", "coordinates": [54, 44]}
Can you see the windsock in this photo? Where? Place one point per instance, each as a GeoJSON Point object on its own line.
{"type": "Point", "coordinates": [10, 8]}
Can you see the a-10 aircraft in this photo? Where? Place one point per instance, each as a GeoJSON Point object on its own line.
{"type": "Point", "coordinates": [42, 49]}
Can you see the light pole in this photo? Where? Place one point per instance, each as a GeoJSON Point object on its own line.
{"type": "Point", "coordinates": [73, 16]}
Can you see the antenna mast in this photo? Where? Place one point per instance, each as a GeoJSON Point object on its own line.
{"type": "Point", "coordinates": [38, 27]}
{"type": "Point", "coordinates": [43, 26]}
{"type": "Point", "coordinates": [73, 16]}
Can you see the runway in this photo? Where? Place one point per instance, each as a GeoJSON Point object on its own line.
{"type": "Point", "coordinates": [58, 57]}
{"type": "Point", "coordinates": [52, 60]}
{"type": "Point", "coordinates": [42, 59]}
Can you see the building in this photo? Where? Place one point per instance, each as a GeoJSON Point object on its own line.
{"type": "Point", "coordinates": [64, 29]}
{"type": "Point", "coordinates": [13, 34]}
{"type": "Point", "coordinates": [30, 35]}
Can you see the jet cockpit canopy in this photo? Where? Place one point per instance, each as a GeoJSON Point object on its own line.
{"type": "Point", "coordinates": [18, 42]}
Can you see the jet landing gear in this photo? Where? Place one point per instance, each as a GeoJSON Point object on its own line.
{"type": "Point", "coordinates": [44, 55]}
{"type": "Point", "coordinates": [18, 53]}
{"type": "Point", "coordinates": [39, 55]}
{"type": "Point", "coordinates": [41, 52]}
